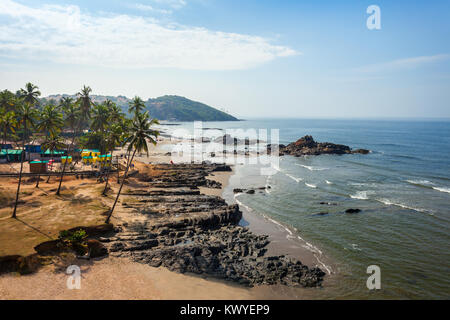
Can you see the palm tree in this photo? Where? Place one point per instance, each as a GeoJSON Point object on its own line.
{"type": "Point", "coordinates": [26, 114]}
{"type": "Point", "coordinates": [85, 102]}
{"type": "Point", "coordinates": [8, 122]}
{"type": "Point", "coordinates": [7, 100]}
{"type": "Point", "coordinates": [75, 117]}
{"type": "Point", "coordinates": [72, 115]}
{"type": "Point", "coordinates": [100, 119]}
{"type": "Point", "coordinates": [51, 120]}
{"type": "Point", "coordinates": [136, 106]}
{"type": "Point", "coordinates": [114, 138]}
{"type": "Point", "coordinates": [140, 133]}
{"type": "Point", "coordinates": [52, 143]}
{"type": "Point", "coordinates": [30, 94]}
{"type": "Point", "coordinates": [115, 113]}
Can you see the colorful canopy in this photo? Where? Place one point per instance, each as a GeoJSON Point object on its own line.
{"type": "Point", "coordinates": [12, 151]}
{"type": "Point", "coordinates": [52, 152]}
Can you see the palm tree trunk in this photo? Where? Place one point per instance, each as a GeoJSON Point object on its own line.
{"type": "Point", "coordinates": [65, 163]}
{"type": "Point", "coordinates": [21, 169]}
{"type": "Point", "coordinates": [120, 189]}
{"type": "Point", "coordinates": [48, 179]}
{"type": "Point", "coordinates": [107, 174]}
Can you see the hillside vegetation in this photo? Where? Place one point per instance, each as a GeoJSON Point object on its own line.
{"type": "Point", "coordinates": [169, 107]}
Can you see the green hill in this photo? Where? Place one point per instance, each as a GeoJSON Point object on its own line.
{"type": "Point", "coordinates": [173, 108]}
{"type": "Point", "coordinates": [178, 108]}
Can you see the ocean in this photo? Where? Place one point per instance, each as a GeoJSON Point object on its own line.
{"type": "Point", "coordinates": [402, 188]}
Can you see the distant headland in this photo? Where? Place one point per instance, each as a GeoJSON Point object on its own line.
{"type": "Point", "coordinates": [169, 107]}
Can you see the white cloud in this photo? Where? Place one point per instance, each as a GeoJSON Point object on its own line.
{"type": "Point", "coordinates": [148, 8]}
{"type": "Point", "coordinates": [64, 34]}
{"type": "Point", "coordinates": [176, 4]}
{"type": "Point", "coordinates": [407, 63]}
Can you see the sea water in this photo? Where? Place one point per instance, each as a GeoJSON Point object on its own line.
{"type": "Point", "coordinates": [402, 188]}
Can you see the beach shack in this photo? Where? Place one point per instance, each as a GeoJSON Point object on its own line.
{"type": "Point", "coordinates": [33, 151]}
{"type": "Point", "coordinates": [11, 155]}
{"type": "Point", "coordinates": [66, 159]}
{"type": "Point", "coordinates": [88, 159]}
{"type": "Point", "coordinates": [3, 157]}
{"type": "Point", "coordinates": [5, 146]}
{"type": "Point", "coordinates": [55, 155]}
{"type": "Point", "coordinates": [38, 166]}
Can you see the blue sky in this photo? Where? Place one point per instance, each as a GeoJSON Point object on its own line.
{"type": "Point", "coordinates": [252, 58]}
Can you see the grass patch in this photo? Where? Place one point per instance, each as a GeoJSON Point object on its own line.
{"type": "Point", "coordinates": [41, 218]}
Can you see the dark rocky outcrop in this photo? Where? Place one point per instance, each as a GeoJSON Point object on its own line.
{"type": "Point", "coordinates": [186, 231]}
{"type": "Point", "coordinates": [308, 146]}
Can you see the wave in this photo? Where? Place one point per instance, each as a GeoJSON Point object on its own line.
{"type": "Point", "coordinates": [267, 185]}
{"type": "Point", "coordinates": [421, 183]}
{"type": "Point", "coordinates": [294, 178]}
{"type": "Point", "coordinates": [311, 185]}
{"type": "Point", "coordinates": [328, 182]}
{"type": "Point", "coordinates": [442, 189]}
{"type": "Point", "coordinates": [361, 195]}
{"type": "Point", "coordinates": [311, 168]}
{"type": "Point", "coordinates": [404, 206]}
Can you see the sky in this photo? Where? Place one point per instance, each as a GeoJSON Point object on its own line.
{"type": "Point", "coordinates": [252, 58]}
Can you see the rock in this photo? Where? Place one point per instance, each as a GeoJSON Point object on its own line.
{"type": "Point", "coordinates": [9, 263]}
{"type": "Point", "coordinates": [48, 247]}
{"type": "Point", "coordinates": [191, 232]}
{"type": "Point", "coordinates": [308, 146]}
{"type": "Point", "coordinates": [23, 265]}
{"type": "Point", "coordinates": [353, 211]}
{"type": "Point", "coordinates": [361, 151]}
{"type": "Point", "coordinates": [96, 248]}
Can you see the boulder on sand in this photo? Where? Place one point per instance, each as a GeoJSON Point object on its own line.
{"type": "Point", "coordinates": [96, 248]}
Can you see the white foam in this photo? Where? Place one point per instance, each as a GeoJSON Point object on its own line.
{"type": "Point", "coordinates": [311, 168]}
{"type": "Point", "coordinates": [420, 182]}
{"type": "Point", "coordinates": [390, 203]}
{"type": "Point", "coordinates": [328, 182]}
{"type": "Point", "coordinates": [442, 189]}
{"type": "Point", "coordinates": [294, 178]}
{"type": "Point", "coordinates": [267, 185]}
{"type": "Point", "coordinates": [311, 185]}
{"type": "Point", "coordinates": [316, 253]}
{"type": "Point", "coordinates": [361, 195]}
{"type": "Point", "coordinates": [243, 205]}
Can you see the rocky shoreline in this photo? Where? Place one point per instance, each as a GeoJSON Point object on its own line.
{"type": "Point", "coordinates": [186, 231]}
